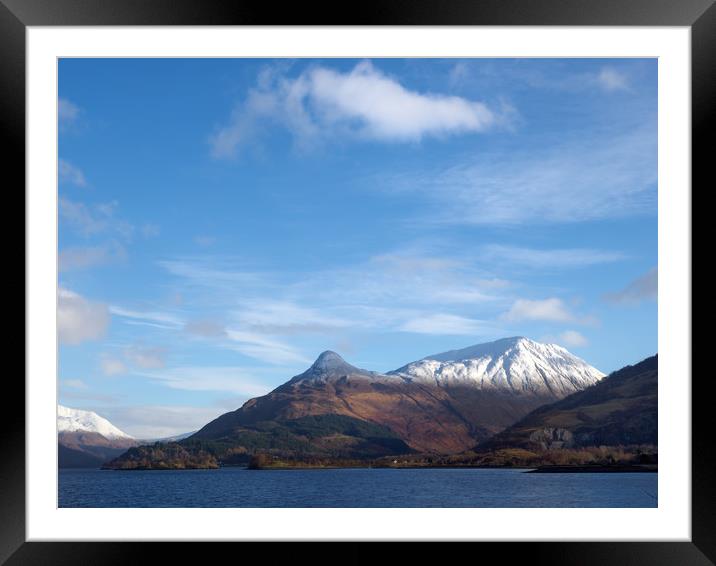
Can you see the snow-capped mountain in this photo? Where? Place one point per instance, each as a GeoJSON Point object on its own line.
{"type": "Point", "coordinates": [517, 365]}
{"type": "Point", "coordinates": [77, 420]}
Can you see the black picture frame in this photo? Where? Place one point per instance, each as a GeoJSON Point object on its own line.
{"type": "Point", "coordinates": [699, 15]}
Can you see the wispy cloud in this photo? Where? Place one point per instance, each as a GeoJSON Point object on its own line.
{"type": "Point", "coordinates": [363, 103]}
{"type": "Point", "coordinates": [146, 357]}
{"type": "Point", "coordinates": [111, 365]}
{"type": "Point", "coordinates": [264, 348]}
{"type": "Point", "coordinates": [235, 380]}
{"type": "Point", "coordinates": [67, 113]}
{"type": "Point", "coordinates": [90, 220]}
{"type": "Point", "coordinates": [582, 180]}
{"type": "Point", "coordinates": [284, 317]}
{"type": "Point", "coordinates": [550, 258]}
{"type": "Point", "coordinates": [447, 324]}
{"type": "Point", "coordinates": [573, 338]}
{"type": "Point", "coordinates": [150, 230]}
{"type": "Point", "coordinates": [83, 257]}
{"type": "Point", "coordinates": [204, 241]}
{"type": "Point", "coordinates": [71, 174]}
{"type": "Point", "coordinates": [398, 291]}
{"type": "Point", "coordinates": [211, 272]}
{"type": "Point", "coordinates": [155, 318]}
{"type": "Point", "coordinates": [132, 357]}
{"type": "Point", "coordinates": [206, 328]}
{"type": "Point", "coordinates": [74, 383]}
{"type": "Point", "coordinates": [643, 288]}
{"type": "Point", "coordinates": [611, 80]}
{"type": "Point", "coordinates": [79, 319]}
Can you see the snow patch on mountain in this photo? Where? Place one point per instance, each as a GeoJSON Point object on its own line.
{"type": "Point", "coordinates": [77, 420]}
{"type": "Point", "coordinates": [516, 365]}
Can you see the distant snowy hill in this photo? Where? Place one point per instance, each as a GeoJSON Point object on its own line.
{"type": "Point", "coordinates": [77, 420]}
{"type": "Point", "coordinates": [86, 440]}
{"type": "Point", "coordinates": [174, 438]}
{"type": "Point", "coordinates": [517, 365]}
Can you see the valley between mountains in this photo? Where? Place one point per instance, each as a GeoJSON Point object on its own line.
{"type": "Point", "coordinates": [512, 402]}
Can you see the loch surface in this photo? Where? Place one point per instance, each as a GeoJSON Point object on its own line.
{"type": "Point", "coordinates": [364, 487]}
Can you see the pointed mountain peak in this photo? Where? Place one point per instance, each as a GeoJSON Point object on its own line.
{"type": "Point", "coordinates": [328, 359]}
{"type": "Point", "coordinates": [330, 365]}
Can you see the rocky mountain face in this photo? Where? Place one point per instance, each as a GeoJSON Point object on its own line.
{"type": "Point", "coordinates": [87, 440]}
{"type": "Point", "coordinates": [620, 410]}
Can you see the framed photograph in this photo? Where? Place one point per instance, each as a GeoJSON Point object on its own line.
{"type": "Point", "coordinates": [406, 277]}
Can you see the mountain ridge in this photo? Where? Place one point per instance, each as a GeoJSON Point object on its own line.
{"type": "Point", "coordinates": [426, 415]}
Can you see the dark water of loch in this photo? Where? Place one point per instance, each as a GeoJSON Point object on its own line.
{"type": "Point", "coordinates": [365, 487]}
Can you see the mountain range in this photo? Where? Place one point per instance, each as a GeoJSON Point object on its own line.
{"type": "Point", "coordinates": [443, 403]}
{"type": "Point", "coordinates": [479, 398]}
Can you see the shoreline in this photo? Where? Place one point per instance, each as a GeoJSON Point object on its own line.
{"type": "Point", "coordinates": [617, 468]}
{"type": "Point", "coordinates": [577, 469]}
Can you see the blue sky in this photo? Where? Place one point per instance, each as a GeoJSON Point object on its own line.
{"type": "Point", "coordinates": [222, 222]}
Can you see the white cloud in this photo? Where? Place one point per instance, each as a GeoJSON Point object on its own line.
{"type": "Point", "coordinates": [440, 324]}
{"type": "Point", "coordinates": [83, 257]}
{"type": "Point", "coordinates": [362, 103]}
{"type": "Point", "coordinates": [388, 111]}
{"type": "Point", "coordinates": [643, 288]}
{"type": "Point", "coordinates": [578, 180]}
{"type": "Point", "coordinates": [573, 338]}
{"type": "Point", "coordinates": [67, 112]}
{"type": "Point", "coordinates": [79, 319]}
{"type": "Point", "coordinates": [553, 310]}
{"type": "Point", "coordinates": [74, 383]}
{"type": "Point", "coordinates": [612, 80]}
{"type": "Point", "coordinates": [68, 173]}
{"type": "Point", "coordinates": [550, 258]}
{"type": "Point", "coordinates": [112, 366]}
